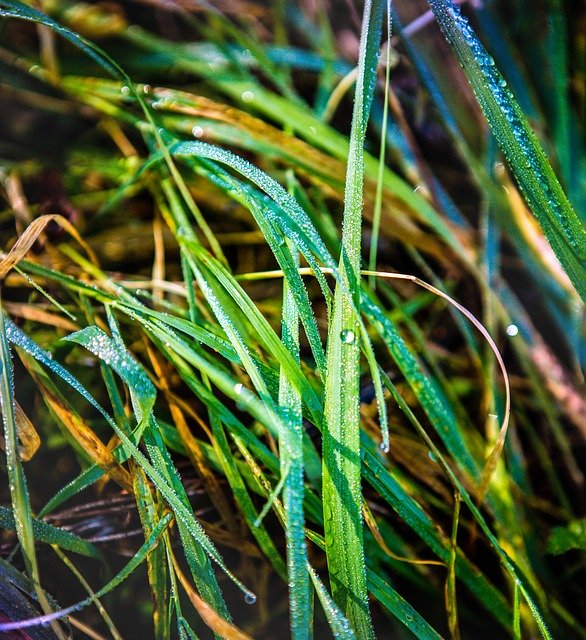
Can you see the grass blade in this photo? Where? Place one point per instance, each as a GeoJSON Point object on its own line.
{"type": "Point", "coordinates": [292, 468]}
{"type": "Point", "coordinates": [341, 437]}
{"type": "Point", "coordinates": [539, 185]}
{"type": "Point", "coordinates": [47, 533]}
{"type": "Point", "coordinates": [21, 510]}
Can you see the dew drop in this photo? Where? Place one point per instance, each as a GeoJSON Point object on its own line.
{"type": "Point", "coordinates": [384, 447]}
{"type": "Point", "coordinates": [147, 88]}
{"type": "Point", "coordinates": [249, 597]}
{"type": "Point", "coordinates": [197, 131]}
{"type": "Point", "coordinates": [431, 455]}
{"type": "Point", "coordinates": [512, 330]}
{"type": "Point", "coordinates": [247, 96]}
{"type": "Point", "coordinates": [125, 91]}
{"type": "Point", "coordinates": [347, 336]}
{"type": "Point", "coordinates": [238, 388]}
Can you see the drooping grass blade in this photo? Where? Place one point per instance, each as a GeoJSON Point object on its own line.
{"type": "Point", "coordinates": [525, 156]}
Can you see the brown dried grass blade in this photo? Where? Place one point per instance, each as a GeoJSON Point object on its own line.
{"type": "Point", "coordinates": [29, 237]}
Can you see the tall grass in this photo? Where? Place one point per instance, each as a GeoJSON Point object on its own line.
{"type": "Point", "coordinates": [186, 303]}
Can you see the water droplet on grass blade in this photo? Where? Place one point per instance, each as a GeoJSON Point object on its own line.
{"type": "Point", "coordinates": [347, 336]}
{"type": "Point", "coordinates": [512, 330]}
{"type": "Point", "coordinates": [238, 388]}
{"type": "Point", "coordinates": [249, 598]}
{"type": "Point", "coordinates": [384, 447]}
{"type": "Point", "coordinates": [197, 131]}
{"type": "Point", "coordinates": [247, 96]}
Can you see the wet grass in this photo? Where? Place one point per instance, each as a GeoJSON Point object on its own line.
{"type": "Point", "coordinates": [216, 420]}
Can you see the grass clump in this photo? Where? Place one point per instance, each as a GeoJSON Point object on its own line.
{"type": "Point", "coordinates": [207, 400]}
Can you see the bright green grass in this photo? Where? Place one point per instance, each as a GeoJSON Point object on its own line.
{"type": "Point", "coordinates": [407, 513]}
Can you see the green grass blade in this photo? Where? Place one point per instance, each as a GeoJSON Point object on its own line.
{"type": "Point", "coordinates": [341, 437]}
{"type": "Point", "coordinates": [296, 223]}
{"type": "Point", "coordinates": [21, 509]}
{"type": "Point", "coordinates": [150, 512]}
{"type": "Point", "coordinates": [211, 272]}
{"type": "Point", "coordinates": [142, 390]}
{"type": "Point", "coordinates": [525, 156]}
{"type": "Point", "coordinates": [14, 9]}
{"type": "Point", "coordinates": [555, 50]}
{"type": "Point", "coordinates": [292, 468]}
{"type": "Point", "coordinates": [47, 533]}
{"type": "Point", "coordinates": [382, 153]}
{"type": "Point", "coordinates": [400, 608]}
{"type": "Point", "coordinates": [196, 553]}
{"type": "Point", "coordinates": [242, 496]}
{"type": "Point", "coordinates": [340, 626]}
{"type": "Point", "coordinates": [16, 478]}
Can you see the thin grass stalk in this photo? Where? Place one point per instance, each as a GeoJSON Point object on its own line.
{"type": "Point", "coordinates": [516, 612]}
{"type": "Point", "coordinates": [292, 468]}
{"type": "Point", "coordinates": [83, 582]}
{"type": "Point", "coordinates": [451, 602]}
{"type": "Point", "coordinates": [150, 513]}
{"type": "Point", "coordinates": [378, 198]}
